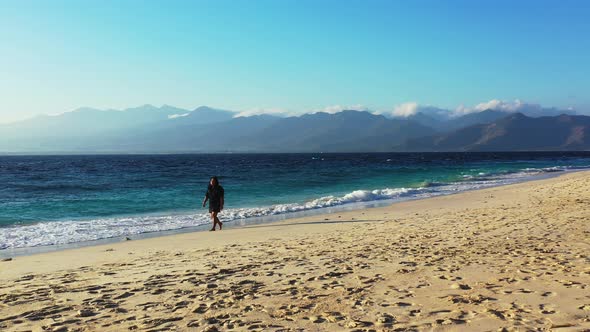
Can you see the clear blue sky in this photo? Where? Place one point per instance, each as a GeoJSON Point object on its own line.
{"type": "Point", "coordinates": [296, 55]}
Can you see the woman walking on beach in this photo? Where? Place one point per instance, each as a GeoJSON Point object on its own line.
{"type": "Point", "coordinates": [215, 196]}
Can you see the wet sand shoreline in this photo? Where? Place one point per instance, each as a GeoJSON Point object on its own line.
{"type": "Point", "coordinates": [239, 223]}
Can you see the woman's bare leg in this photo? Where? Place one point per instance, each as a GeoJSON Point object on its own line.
{"type": "Point", "coordinates": [214, 218]}
{"type": "Point", "coordinates": [218, 221]}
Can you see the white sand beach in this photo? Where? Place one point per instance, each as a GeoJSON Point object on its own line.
{"type": "Point", "coordinates": [511, 258]}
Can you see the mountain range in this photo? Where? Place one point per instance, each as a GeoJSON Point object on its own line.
{"type": "Point", "coordinates": [515, 132]}
{"type": "Point", "coordinates": [168, 129]}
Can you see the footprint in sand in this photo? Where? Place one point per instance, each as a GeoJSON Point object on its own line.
{"type": "Point", "coordinates": [333, 316]}
{"type": "Point", "coordinates": [547, 309]}
{"type": "Point", "coordinates": [460, 286]}
{"type": "Point", "coordinates": [470, 299]}
{"type": "Point", "coordinates": [385, 320]}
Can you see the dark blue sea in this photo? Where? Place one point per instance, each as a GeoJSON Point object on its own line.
{"type": "Point", "coordinates": [50, 200]}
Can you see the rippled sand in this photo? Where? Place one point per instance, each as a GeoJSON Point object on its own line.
{"type": "Point", "coordinates": [508, 258]}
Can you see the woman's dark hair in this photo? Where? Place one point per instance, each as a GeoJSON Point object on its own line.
{"type": "Point", "coordinates": [216, 181]}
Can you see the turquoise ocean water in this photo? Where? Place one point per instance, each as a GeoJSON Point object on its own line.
{"type": "Point", "coordinates": [50, 200]}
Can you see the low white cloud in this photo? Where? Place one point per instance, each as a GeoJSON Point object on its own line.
{"type": "Point", "coordinates": [174, 116]}
{"type": "Point", "coordinates": [261, 111]}
{"type": "Point", "coordinates": [497, 105]}
{"type": "Point", "coordinates": [506, 106]}
{"type": "Point", "coordinates": [405, 109]}
{"type": "Point", "coordinates": [412, 108]}
{"type": "Point", "coordinates": [516, 105]}
{"type": "Point", "coordinates": [332, 109]}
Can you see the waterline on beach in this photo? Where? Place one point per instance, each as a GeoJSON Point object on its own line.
{"type": "Point", "coordinates": [51, 236]}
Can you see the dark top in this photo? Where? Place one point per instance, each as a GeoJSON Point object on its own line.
{"type": "Point", "coordinates": [214, 194]}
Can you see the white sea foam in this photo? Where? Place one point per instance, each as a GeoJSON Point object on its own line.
{"type": "Point", "coordinates": [64, 232]}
